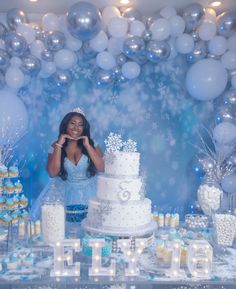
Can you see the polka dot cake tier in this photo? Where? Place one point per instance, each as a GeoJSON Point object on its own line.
{"type": "Point", "coordinates": [120, 207]}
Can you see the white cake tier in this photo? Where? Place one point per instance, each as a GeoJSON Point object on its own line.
{"type": "Point", "coordinates": [118, 216]}
{"type": "Point", "coordinates": [122, 163]}
{"type": "Point", "coordinates": [119, 189]}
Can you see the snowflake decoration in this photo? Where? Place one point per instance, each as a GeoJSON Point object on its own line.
{"type": "Point", "coordinates": [113, 142]}
{"type": "Point", "coordinates": [130, 146]}
{"type": "Point", "coordinates": [99, 215]}
{"type": "Point", "coordinates": [110, 158]}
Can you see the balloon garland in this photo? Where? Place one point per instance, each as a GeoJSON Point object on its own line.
{"type": "Point", "coordinates": [119, 44]}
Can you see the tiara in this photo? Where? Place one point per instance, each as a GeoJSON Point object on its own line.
{"type": "Point", "coordinates": [78, 110]}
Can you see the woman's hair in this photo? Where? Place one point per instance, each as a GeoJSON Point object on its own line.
{"type": "Point", "coordinates": [91, 170]}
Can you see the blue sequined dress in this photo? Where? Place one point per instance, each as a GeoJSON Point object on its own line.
{"type": "Point", "coordinates": [77, 189]}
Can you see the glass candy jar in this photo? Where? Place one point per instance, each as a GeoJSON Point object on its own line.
{"type": "Point", "coordinates": [209, 194]}
{"type": "Point", "coordinates": [53, 216]}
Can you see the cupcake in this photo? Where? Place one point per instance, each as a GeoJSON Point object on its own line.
{"type": "Point", "coordinates": [29, 260]}
{"type": "Point", "coordinates": [14, 262]}
{"type": "Point", "coordinates": [2, 202]}
{"type": "Point", "coordinates": [23, 201]}
{"type": "Point", "coordinates": [1, 187]}
{"type": "Point", "coordinates": [16, 202]}
{"type": "Point", "coordinates": [10, 187]}
{"type": "Point", "coordinates": [6, 218]}
{"type": "Point", "coordinates": [13, 172]}
{"type": "Point", "coordinates": [3, 171]}
{"type": "Point", "coordinates": [18, 187]}
{"type": "Point", "coordinates": [9, 203]}
{"type": "Point", "coordinates": [24, 215]}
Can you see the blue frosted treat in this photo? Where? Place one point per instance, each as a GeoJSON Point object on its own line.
{"type": "Point", "coordinates": [3, 171]}
{"type": "Point", "coordinates": [13, 172]}
{"type": "Point", "coordinates": [87, 250]}
{"type": "Point", "coordinates": [18, 187]}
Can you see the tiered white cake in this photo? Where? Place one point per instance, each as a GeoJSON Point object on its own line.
{"type": "Point", "coordinates": [120, 207]}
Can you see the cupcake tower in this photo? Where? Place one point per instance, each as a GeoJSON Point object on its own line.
{"type": "Point", "coordinates": [13, 202]}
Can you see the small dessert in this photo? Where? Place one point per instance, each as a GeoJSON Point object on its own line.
{"type": "Point", "coordinates": [24, 215]}
{"type": "Point", "coordinates": [10, 187]}
{"type": "Point", "coordinates": [2, 202]}
{"type": "Point", "coordinates": [6, 218]}
{"type": "Point", "coordinates": [13, 172]}
{"type": "Point", "coordinates": [1, 187]}
{"type": "Point", "coordinates": [3, 171]}
{"type": "Point", "coordinates": [16, 202]}
{"type": "Point", "coordinates": [9, 203]}
{"type": "Point", "coordinates": [18, 187]}
{"type": "Point", "coordinates": [23, 201]}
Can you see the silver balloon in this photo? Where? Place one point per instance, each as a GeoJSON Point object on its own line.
{"type": "Point", "coordinates": [121, 59]}
{"type": "Point", "coordinates": [226, 23]}
{"type": "Point", "coordinates": [4, 59]}
{"type": "Point", "coordinates": [16, 44]}
{"type": "Point", "coordinates": [61, 79]}
{"type": "Point", "coordinates": [116, 71]}
{"type": "Point", "coordinates": [199, 52]}
{"type": "Point", "coordinates": [147, 35]}
{"type": "Point", "coordinates": [55, 40]}
{"type": "Point", "coordinates": [134, 48]}
{"type": "Point", "coordinates": [3, 31]}
{"type": "Point", "coordinates": [2, 80]}
{"type": "Point", "coordinates": [213, 56]}
{"type": "Point", "coordinates": [157, 50]}
{"type": "Point", "coordinates": [31, 65]}
{"type": "Point", "coordinates": [39, 32]}
{"type": "Point", "coordinates": [230, 98]}
{"type": "Point", "coordinates": [104, 78]}
{"type": "Point", "coordinates": [192, 15]}
{"type": "Point", "coordinates": [232, 159]}
{"type": "Point", "coordinates": [121, 79]}
{"type": "Point", "coordinates": [224, 113]}
{"type": "Point", "coordinates": [88, 52]}
{"type": "Point", "coordinates": [132, 14]}
{"type": "Point", "coordinates": [195, 35]}
{"type": "Point", "coordinates": [84, 20]}
{"type": "Point", "coordinates": [47, 55]}
{"type": "Point", "coordinates": [151, 19]}
{"type": "Point", "coordinates": [16, 16]}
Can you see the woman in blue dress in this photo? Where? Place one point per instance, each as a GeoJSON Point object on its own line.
{"type": "Point", "coordinates": [73, 161]}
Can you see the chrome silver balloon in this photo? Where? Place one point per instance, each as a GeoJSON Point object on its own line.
{"type": "Point", "coordinates": [147, 35]}
{"type": "Point", "coordinates": [229, 98]}
{"type": "Point", "coordinates": [157, 50]}
{"type": "Point", "coordinates": [3, 31]}
{"type": "Point", "coordinates": [132, 14]}
{"type": "Point", "coordinates": [61, 79]}
{"type": "Point", "coordinates": [192, 15]}
{"type": "Point", "coordinates": [199, 52]}
{"type": "Point", "coordinates": [31, 65]}
{"type": "Point", "coordinates": [104, 78]}
{"type": "Point", "coordinates": [4, 59]}
{"type": "Point", "coordinates": [15, 16]}
{"type": "Point", "coordinates": [134, 48]}
{"type": "Point", "coordinates": [55, 40]}
{"type": "Point", "coordinates": [226, 23]}
{"type": "Point", "coordinates": [195, 35]}
{"type": "Point", "coordinates": [224, 113]}
{"type": "Point", "coordinates": [16, 44]}
{"type": "Point", "coordinates": [121, 59]}
{"type": "Point", "coordinates": [84, 20]}
{"type": "Point", "coordinates": [47, 55]}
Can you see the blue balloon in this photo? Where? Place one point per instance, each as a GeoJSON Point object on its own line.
{"type": "Point", "coordinates": [55, 40]}
{"type": "Point", "coordinates": [47, 55]}
{"type": "Point", "coordinates": [15, 16]}
{"type": "Point", "coordinates": [61, 79]}
{"type": "Point", "coordinates": [15, 44]}
{"type": "Point", "coordinates": [134, 48]}
{"type": "Point", "coordinates": [192, 15]}
{"type": "Point", "coordinates": [228, 184]}
{"type": "Point", "coordinates": [104, 78]}
{"type": "Point", "coordinates": [121, 59]}
{"type": "Point", "coordinates": [157, 50]}
{"type": "Point", "coordinates": [226, 23]}
{"type": "Point", "coordinates": [31, 65]}
{"type": "Point", "coordinates": [84, 20]}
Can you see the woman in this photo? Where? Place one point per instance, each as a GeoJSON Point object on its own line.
{"type": "Point", "coordinates": [73, 161]}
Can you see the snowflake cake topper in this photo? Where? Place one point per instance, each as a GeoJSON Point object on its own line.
{"type": "Point", "coordinates": [115, 143]}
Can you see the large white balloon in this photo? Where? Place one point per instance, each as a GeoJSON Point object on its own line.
{"type": "Point", "coordinates": [50, 22]}
{"type": "Point", "coordinates": [177, 25]}
{"type": "Point", "coordinates": [109, 12]}
{"type": "Point", "coordinates": [105, 60]}
{"type": "Point", "coordinates": [118, 27]}
{"type": "Point", "coordinates": [224, 133]}
{"type": "Point", "coordinates": [184, 43]}
{"type": "Point", "coordinates": [99, 42]}
{"type": "Point", "coordinates": [137, 28]}
{"type": "Point", "coordinates": [217, 45]}
{"type": "Point", "coordinates": [13, 118]}
{"type": "Point", "coordinates": [65, 59]}
{"type": "Point", "coordinates": [160, 29]}
{"type": "Point", "coordinates": [115, 45]}
{"type": "Point", "coordinates": [229, 60]}
{"type": "Point", "coordinates": [167, 12]}
{"type": "Point", "coordinates": [232, 43]}
{"type": "Point", "coordinates": [131, 69]}
{"type": "Point", "coordinates": [36, 48]}
{"type": "Point", "coordinates": [207, 30]}
{"type": "Point", "coordinates": [47, 69]}
{"type": "Point", "coordinates": [73, 43]}
{"type": "Point", "coordinates": [206, 79]}
{"type": "Point", "coordinates": [26, 31]}
{"type": "Point", "coordinates": [14, 77]}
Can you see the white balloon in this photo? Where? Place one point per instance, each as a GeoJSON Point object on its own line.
{"type": "Point", "coordinates": [99, 42]}
{"type": "Point", "coordinates": [229, 60]}
{"type": "Point", "coordinates": [225, 133]}
{"type": "Point", "coordinates": [115, 45]}
{"type": "Point", "coordinates": [167, 12]}
{"type": "Point", "coordinates": [177, 25]}
{"type": "Point", "coordinates": [207, 30]}
{"type": "Point", "coordinates": [109, 12]}
{"type": "Point", "coordinates": [73, 43]}
{"type": "Point", "coordinates": [2, 44]}
{"type": "Point", "coordinates": [160, 29]}
{"type": "Point", "coordinates": [105, 60]}
{"type": "Point", "coordinates": [137, 28]}
{"type": "Point", "coordinates": [36, 48]}
{"type": "Point", "coordinates": [26, 31]}
{"type": "Point", "coordinates": [206, 79]}
{"type": "Point", "coordinates": [47, 69]}
{"type": "Point", "coordinates": [118, 27]}
{"type": "Point", "coordinates": [50, 22]}
{"type": "Point", "coordinates": [233, 81]}
{"type": "Point", "coordinates": [16, 61]}
{"type": "Point", "coordinates": [217, 45]}
{"type": "Point", "coordinates": [14, 77]}
{"type": "Point", "coordinates": [184, 43]}
{"type": "Point", "coordinates": [62, 23]}
{"type": "Point", "coordinates": [173, 52]}
{"type": "Point", "coordinates": [232, 43]}
{"type": "Point", "coordinates": [65, 59]}
{"type": "Point", "coordinates": [131, 70]}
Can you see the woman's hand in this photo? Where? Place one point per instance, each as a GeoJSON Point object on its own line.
{"type": "Point", "coordinates": [63, 138]}
{"type": "Point", "coordinates": [85, 141]}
